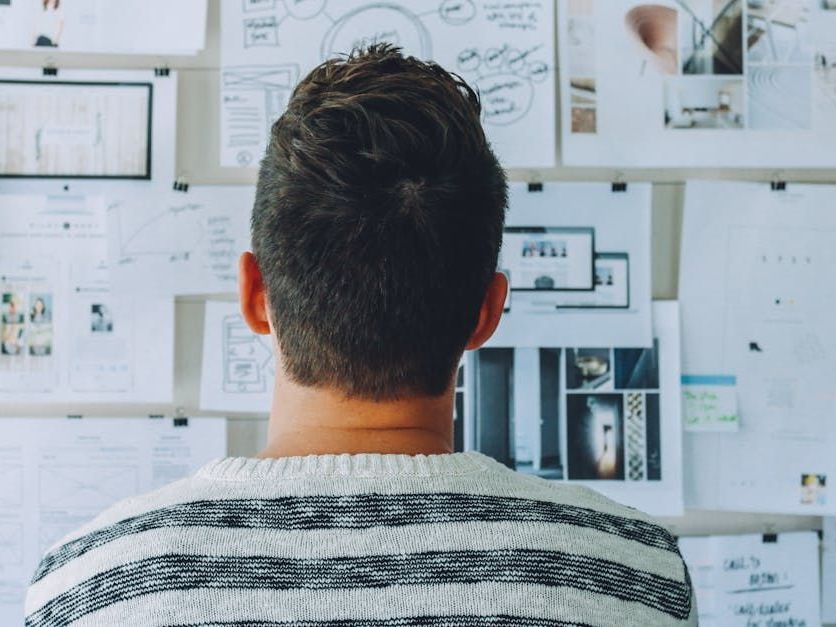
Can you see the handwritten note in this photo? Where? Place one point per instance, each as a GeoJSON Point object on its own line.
{"type": "Point", "coordinates": [709, 403]}
{"type": "Point", "coordinates": [754, 580]}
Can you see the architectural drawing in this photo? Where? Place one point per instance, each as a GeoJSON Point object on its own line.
{"type": "Point", "coordinates": [505, 50]}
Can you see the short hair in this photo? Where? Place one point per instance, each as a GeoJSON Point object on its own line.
{"type": "Point", "coordinates": [377, 224]}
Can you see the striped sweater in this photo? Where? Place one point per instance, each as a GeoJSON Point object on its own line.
{"type": "Point", "coordinates": [366, 540]}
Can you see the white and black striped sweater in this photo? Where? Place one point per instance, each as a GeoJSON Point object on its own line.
{"type": "Point", "coordinates": [366, 540]}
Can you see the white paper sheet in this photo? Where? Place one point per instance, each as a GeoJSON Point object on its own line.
{"type": "Point", "coordinates": [828, 571]}
{"type": "Point", "coordinates": [757, 304]}
{"type": "Point", "coordinates": [238, 365]}
{"type": "Point", "coordinates": [506, 50]}
{"type": "Point", "coordinates": [179, 243]}
{"type": "Point", "coordinates": [544, 242]}
{"type": "Point", "coordinates": [684, 83]}
{"type": "Point", "coordinates": [87, 129]}
{"type": "Point", "coordinates": [605, 417]}
{"type": "Point", "coordinates": [58, 473]}
{"type": "Point", "coordinates": [124, 27]}
{"type": "Point", "coordinates": [746, 581]}
{"type": "Point", "coordinates": [65, 335]}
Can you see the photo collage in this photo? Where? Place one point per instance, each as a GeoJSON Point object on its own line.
{"type": "Point", "coordinates": [26, 317]}
{"type": "Point", "coordinates": [725, 64]}
{"type": "Point", "coordinates": [575, 413]}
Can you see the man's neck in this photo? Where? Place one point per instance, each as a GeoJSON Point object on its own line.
{"type": "Point", "coordinates": [316, 421]}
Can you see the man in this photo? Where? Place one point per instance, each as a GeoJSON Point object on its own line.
{"type": "Point", "coordinates": [376, 229]}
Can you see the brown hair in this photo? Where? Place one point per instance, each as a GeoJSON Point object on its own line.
{"type": "Point", "coordinates": [377, 223]}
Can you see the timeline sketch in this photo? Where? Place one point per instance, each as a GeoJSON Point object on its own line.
{"type": "Point", "coordinates": [190, 242]}
{"type": "Point", "coordinates": [238, 366]}
{"type": "Point", "coordinates": [75, 129]}
{"type": "Point", "coordinates": [503, 49]}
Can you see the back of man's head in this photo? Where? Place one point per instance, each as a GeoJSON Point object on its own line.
{"type": "Point", "coordinates": [377, 224]}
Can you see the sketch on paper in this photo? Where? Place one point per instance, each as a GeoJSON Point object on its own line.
{"type": "Point", "coordinates": [248, 364]}
{"type": "Point", "coordinates": [75, 129]}
{"type": "Point", "coordinates": [505, 50]}
{"type": "Point", "coordinates": [191, 242]}
{"type": "Point", "coordinates": [65, 485]}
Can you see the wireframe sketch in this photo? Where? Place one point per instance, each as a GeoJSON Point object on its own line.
{"type": "Point", "coordinates": [11, 544]}
{"type": "Point", "coordinates": [248, 359]}
{"type": "Point", "coordinates": [91, 486]}
{"type": "Point", "coordinates": [252, 98]}
{"type": "Point", "coordinates": [503, 49]}
{"type": "Point", "coordinates": [97, 130]}
{"type": "Point", "coordinates": [11, 485]}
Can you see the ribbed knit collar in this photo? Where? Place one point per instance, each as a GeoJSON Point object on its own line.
{"type": "Point", "coordinates": [360, 465]}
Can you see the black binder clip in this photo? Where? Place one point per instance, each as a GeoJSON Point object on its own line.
{"type": "Point", "coordinates": [535, 187]}
{"type": "Point", "coordinates": [778, 186]}
{"type": "Point", "coordinates": [74, 416]}
{"type": "Point", "coordinates": [770, 538]}
{"type": "Point", "coordinates": [180, 185]}
{"type": "Point", "coordinates": [619, 186]}
{"type": "Point", "coordinates": [161, 71]}
{"type": "Point", "coordinates": [50, 71]}
{"type": "Point", "coordinates": [182, 421]}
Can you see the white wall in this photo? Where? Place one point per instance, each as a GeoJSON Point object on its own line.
{"type": "Point", "coordinates": [197, 159]}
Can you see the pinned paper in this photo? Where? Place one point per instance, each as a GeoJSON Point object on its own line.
{"type": "Point", "coordinates": [828, 571]}
{"type": "Point", "coordinates": [709, 403]}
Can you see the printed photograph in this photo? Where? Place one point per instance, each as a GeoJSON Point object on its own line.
{"type": "Point", "coordinates": [40, 325]}
{"type": "Point", "coordinates": [813, 489]}
{"type": "Point", "coordinates": [582, 67]}
{"type": "Point", "coordinates": [517, 409]}
{"type": "Point", "coordinates": [595, 436]}
{"type": "Point", "coordinates": [711, 36]}
{"type": "Point", "coordinates": [584, 101]}
{"type": "Point", "coordinates": [653, 30]}
{"type": "Point", "coordinates": [101, 319]}
{"type": "Point", "coordinates": [12, 321]}
{"type": "Point", "coordinates": [707, 103]}
{"type": "Point", "coordinates": [588, 368]}
{"type": "Point", "coordinates": [778, 31]}
{"type": "Point", "coordinates": [637, 368]}
{"type": "Point", "coordinates": [780, 97]}
{"type": "Point", "coordinates": [49, 24]}
{"type": "Point", "coordinates": [544, 248]}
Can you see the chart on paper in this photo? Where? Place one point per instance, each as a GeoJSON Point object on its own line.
{"type": "Point", "coordinates": [505, 50]}
{"type": "Point", "coordinates": [190, 242]}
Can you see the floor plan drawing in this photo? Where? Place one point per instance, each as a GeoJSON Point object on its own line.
{"type": "Point", "coordinates": [503, 50]}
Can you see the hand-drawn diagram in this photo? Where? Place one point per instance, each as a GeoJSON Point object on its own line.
{"type": "Point", "coordinates": [248, 359]}
{"type": "Point", "coordinates": [174, 233]}
{"type": "Point", "coordinates": [503, 49]}
{"type": "Point", "coordinates": [11, 485]}
{"type": "Point", "coordinates": [252, 98]}
{"type": "Point", "coordinates": [11, 544]}
{"type": "Point", "coordinates": [98, 487]}
{"type": "Point", "coordinates": [201, 233]}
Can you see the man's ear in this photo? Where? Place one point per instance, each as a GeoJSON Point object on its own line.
{"type": "Point", "coordinates": [253, 295]}
{"type": "Point", "coordinates": [491, 311]}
